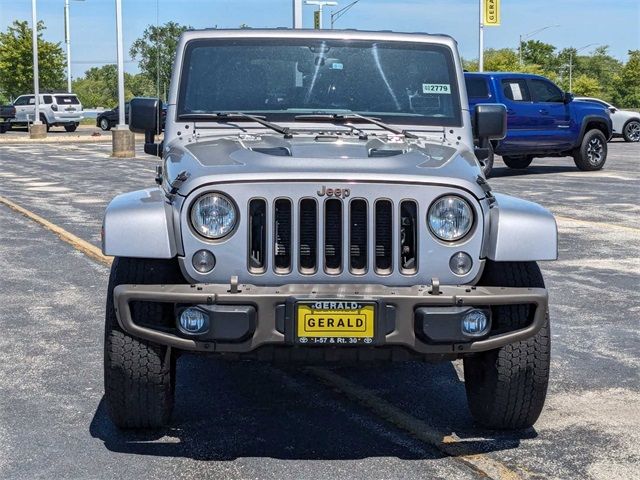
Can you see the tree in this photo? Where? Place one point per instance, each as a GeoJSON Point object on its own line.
{"type": "Point", "coordinates": [155, 52]}
{"type": "Point", "coordinates": [585, 86]}
{"type": "Point", "coordinates": [627, 83]}
{"type": "Point", "coordinates": [99, 86]}
{"type": "Point", "coordinates": [539, 53]}
{"type": "Point", "coordinates": [501, 60]}
{"type": "Point", "coordinates": [16, 61]}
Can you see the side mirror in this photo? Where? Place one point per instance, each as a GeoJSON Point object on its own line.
{"type": "Point", "coordinates": [145, 117]}
{"type": "Point", "coordinates": [490, 122]}
{"type": "Point", "coordinates": [613, 109]}
{"type": "Point", "coordinates": [568, 97]}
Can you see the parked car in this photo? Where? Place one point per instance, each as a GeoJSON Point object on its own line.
{"type": "Point", "coordinates": [318, 202]}
{"type": "Point", "coordinates": [109, 118]}
{"type": "Point", "coordinates": [542, 121]}
{"type": "Point", "coordinates": [56, 110]}
{"type": "Point", "coordinates": [7, 113]}
{"type": "Point", "coordinates": [626, 123]}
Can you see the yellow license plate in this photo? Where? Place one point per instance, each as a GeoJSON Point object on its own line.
{"type": "Point", "coordinates": [337, 322]}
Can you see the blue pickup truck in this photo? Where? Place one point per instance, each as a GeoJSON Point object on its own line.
{"type": "Point", "coordinates": [542, 121]}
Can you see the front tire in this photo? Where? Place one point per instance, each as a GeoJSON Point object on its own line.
{"type": "Point", "coordinates": [631, 131]}
{"type": "Point", "coordinates": [517, 163]}
{"type": "Point", "coordinates": [43, 119]}
{"type": "Point", "coordinates": [591, 155]}
{"type": "Point", "coordinates": [71, 128]}
{"type": "Point", "coordinates": [506, 387]}
{"type": "Point", "coordinates": [139, 376]}
{"type": "Point", "coordinates": [104, 124]}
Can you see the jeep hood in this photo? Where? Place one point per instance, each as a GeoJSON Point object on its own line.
{"type": "Point", "coordinates": [344, 158]}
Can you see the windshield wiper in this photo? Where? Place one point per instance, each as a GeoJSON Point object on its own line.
{"type": "Point", "coordinates": [340, 117]}
{"type": "Point", "coordinates": [234, 116]}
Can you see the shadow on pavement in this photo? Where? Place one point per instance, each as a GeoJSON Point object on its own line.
{"type": "Point", "coordinates": [229, 410]}
{"type": "Point", "coordinates": [533, 169]}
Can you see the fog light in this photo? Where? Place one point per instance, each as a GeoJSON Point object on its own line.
{"type": "Point", "coordinates": [460, 263]}
{"type": "Point", "coordinates": [475, 323]}
{"type": "Point", "coordinates": [193, 321]}
{"type": "Point", "coordinates": [203, 261]}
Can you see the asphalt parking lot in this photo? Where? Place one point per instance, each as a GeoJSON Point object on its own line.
{"type": "Point", "coordinates": [245, 421]}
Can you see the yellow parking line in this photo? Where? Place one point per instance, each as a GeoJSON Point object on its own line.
{"type": "Point", "coordinates": [482, 464]}
{"type": "Point", "coordinates": [587, 223]}
{"type": "Point", "coordinates": [76, 242]}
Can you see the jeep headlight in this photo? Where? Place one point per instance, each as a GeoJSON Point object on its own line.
{"type": "Point", "coordinates": [450, 218]}
{"type": "Point", "coordinates": [213, 215]}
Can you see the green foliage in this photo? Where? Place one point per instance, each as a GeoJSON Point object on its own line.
{"type": "Point", "coordinates": [16, 61]}
{"type": "Point", "coordinates": [626, 83]}
{"type": "Point", "coordinates": [99, 87]}
{"type": "Point", "coordinates": [155, 52]}
{"type": "Point", "coordinates": [585, 86]}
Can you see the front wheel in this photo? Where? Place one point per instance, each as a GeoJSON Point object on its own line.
{"type": "Point", "coordinates": [517, 163]}
{"type": "Point", "coordinates": [71, 128]}
{"type": "Point", "coordinates": [631, 131]}
{"type": "Point", "coordinates": [139, 376]}
{"type": "Point", "coordinates": [506, 387]}
{"type": "Point", "coordinates": [592, 153]}
{"type": "Point", "coordinates": [104, 124]}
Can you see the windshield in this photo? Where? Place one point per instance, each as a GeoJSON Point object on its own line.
{"type": "Point", "coordinates": [399, 82]}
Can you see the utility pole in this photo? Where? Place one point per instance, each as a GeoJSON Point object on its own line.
{"type": "Point", "coordinates": [123, 140]}
{"type": "Point", "coordinates": [38, 129]}
{"type": "Point", "coordinates": [67, 40]}
{"type": "Point", "coordinates": [320, 4]}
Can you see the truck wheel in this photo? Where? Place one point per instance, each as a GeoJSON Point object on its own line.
{"type": "Point", "coordinates": [139, 376]}
{"type": "Point", "coordinates": [592, 153]}
{"type": "Point", "coordinates": [506, 387]}
{"type": "Point", "coordinates": [631, 131]}
{"type": "Point", "coordinates": [43, 119]}
{"type": "Point", "coordinates": [487, 163]}
{"type": "Point", "coordinates": [71, 128]}
{"type": "Point", "coordinates": [517, 163]}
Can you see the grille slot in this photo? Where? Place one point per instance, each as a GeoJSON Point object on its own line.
{"type": "Point", "coordinates": [308, 236]}
{"type": "Point", "coordinates": [282, 236]}
{"type": "Point", "coordinates": [333, 236]}
{"type": "Point", "coordinates": [408, 237]}
{"type": "Point", "coordinates": [257, 235]}
{"type": "Point", "coordinates": [384, 237]}
{"type": "Point", "coordinates": [358, 234]}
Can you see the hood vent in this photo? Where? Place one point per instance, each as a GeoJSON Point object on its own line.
{"type": "Point", "coordinates": [273, 151]}
{"type": "Point", "coordinates": [384, 152]}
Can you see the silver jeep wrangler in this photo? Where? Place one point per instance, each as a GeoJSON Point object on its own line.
{"type": "Point", "coordinates": [320, 199]}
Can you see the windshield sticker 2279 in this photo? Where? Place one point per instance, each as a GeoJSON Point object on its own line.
{"type": "Point", "coordinates": [442, 88]}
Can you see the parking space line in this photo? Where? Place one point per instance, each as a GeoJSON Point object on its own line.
{"type": "Point", "coordinates": [587, 223]}
{"type": "Point", "coordinates": [76, 242]}
{"type": "Point", "coordinates": [447, 444]}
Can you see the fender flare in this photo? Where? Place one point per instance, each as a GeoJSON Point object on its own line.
{"type": "Point", "coordinates": [596, 119]}
{"type": "Point", "coordinates": [521, 231]}
{"type": "Point", "coordinates": [139, 224]}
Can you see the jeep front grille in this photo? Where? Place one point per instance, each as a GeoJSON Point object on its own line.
{"type": "Point", "coordinates": [345, 232]}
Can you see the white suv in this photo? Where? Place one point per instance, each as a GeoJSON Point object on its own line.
{"type": "Point", "coordinates": [626, 123]}
{"type": "Point", "coordinates": [56, 110]}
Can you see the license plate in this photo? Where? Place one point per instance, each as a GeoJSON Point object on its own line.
{"type": "Point", "coordinates": [335, 322]}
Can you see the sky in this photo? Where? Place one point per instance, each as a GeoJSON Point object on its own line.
{"type": "Point", "coordinates": [581, 22]}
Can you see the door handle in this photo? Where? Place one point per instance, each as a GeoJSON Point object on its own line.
{"type": "Point", "coordinates": [544, 112]}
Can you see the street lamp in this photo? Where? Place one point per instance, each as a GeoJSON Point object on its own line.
{"type": "Point", "coordinates": [529, 35]}
{"type": "Point", "coordinates": [320, 4]}
{"type": "Point", "coordinates": [339, 13]}
{"type": "Point", "coordinates": [37, 130]}
{"type": "Point", "coordinates": [571, 51]}
{"type": "Point", "coordinates": [67, 40]}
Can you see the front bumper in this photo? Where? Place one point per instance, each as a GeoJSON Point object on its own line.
{"type": "Point", "coordinates": [274, 312]}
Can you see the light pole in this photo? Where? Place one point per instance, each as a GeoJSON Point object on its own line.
{"type": "Point", "coordinates": [320, 4]}
{"type": "Point", "coordinates": [37, 130]}
{"type": "Point", "coordinates": [123, 141]}
{"type": "Point", "coordinates": [67, 40]}
{"type": "Point", "coordinates": [339, 13]}
{"type": "Point", "coordinates": [481, 39]}
{"type": "Point", "coordinates": [571, 51]}
{"type": "Point", "coordinates": [529, 35]}
{"type": "Point", "coordinates": [297, 13]}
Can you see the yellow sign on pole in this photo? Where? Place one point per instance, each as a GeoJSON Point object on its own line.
{"type": "Point", "coordinates": [491, 13]}
{"type": "Point", "coordinates": [316, 20]}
